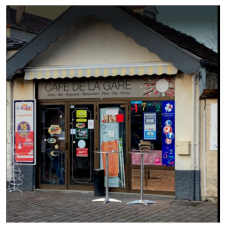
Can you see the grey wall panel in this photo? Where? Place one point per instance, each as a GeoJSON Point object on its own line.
{"type": "Point", "coordinates": [28, 179]}
{"type": "Point", "coordinates": [183, 185]}
{"type": "Point", "coordinates": [140, 33]}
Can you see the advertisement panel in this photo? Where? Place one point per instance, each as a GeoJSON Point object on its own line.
{"type": "Point", "coordinates": [24, 131]}
{"type": "Point", "coordinates": [149, 126]}
{"type": "Point", "coordinates": [168, 133]}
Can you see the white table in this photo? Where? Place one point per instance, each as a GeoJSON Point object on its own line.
{"type": "Point", "coordinates": [106, 199]}
{"type": "Point", "coordinates": [144, 202]}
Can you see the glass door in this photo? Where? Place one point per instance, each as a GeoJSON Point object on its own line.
{"type": "Point", "coordinates": [53, 152]}
{"type": "Point", "coordinates": [112, 136]}
{"type": "Point", "coordinates": [81, 117]}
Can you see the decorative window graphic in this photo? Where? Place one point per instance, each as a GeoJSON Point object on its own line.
{"type": "Point", "coordinates": [169, 107]}
{"type": "Point", "coordinates": [158, 86]}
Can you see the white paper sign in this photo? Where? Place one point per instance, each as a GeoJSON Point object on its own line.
{"type": "Point", "coordinates": [149, 126]}
{"type": "Point", "coordinates": [111, 134]}
{"type": "Point", "coordinates": [72, 131]}
{"type": "Point", "coordinates": [213, 127]}
{"type": "Point", "coordinates": [90, 124]}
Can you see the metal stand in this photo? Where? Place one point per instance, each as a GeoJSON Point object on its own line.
{"type": "Point", "coordinates": [15, 173]}
{"type": "Point", "coordinates": [106, 199]}
{"type": "Point", "coordinates": [144, 202]}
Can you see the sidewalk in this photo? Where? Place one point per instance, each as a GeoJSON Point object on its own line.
{"type": "Point", "coordinates": [77, 206]}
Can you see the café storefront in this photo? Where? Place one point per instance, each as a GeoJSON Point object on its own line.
{"type": "Point", "coordinates": [78, 116]}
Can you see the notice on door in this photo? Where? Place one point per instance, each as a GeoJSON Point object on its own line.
{"type": "Point", "coordinates": [82, 152]}
{"type": "Point", "coordinates": [90, 124]}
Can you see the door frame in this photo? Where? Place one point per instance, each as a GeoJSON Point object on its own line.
{"type": "Point", "coordinates": [51, 186]}
{"type": "Point", "coordinates": [97, 103]}
{"type": "Point", "coordinates": [80, 102]}
{"type": "Point", "coordinates": [125, 104]}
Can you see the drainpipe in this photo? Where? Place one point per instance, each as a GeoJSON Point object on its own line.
{"type": "Point", "coordinates": [193, 143]}
{"type": "Point", "coordinates": [204, 149]}
{"type": "Point", "coordinates": [11, 128]}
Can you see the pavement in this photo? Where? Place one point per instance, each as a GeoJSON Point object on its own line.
{"type": "Point", "coordinates": [77, 206]}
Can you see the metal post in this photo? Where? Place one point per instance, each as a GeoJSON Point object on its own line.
{"type": "Point", "coordinates": [107, 176]}
{"type": "Point", "coordinates": [142, 176]}
{"type": "Point", "coordinates": [144, 202]}
{"type": "Point", "coordinates": [106, 199]}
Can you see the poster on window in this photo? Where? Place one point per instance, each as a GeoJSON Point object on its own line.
{"type": "Point", "coordinates": [149, 126]}
{"type": "Point", "coordinates": [168, 133]}
{"type": "Point", "coordinates": [24, 131]}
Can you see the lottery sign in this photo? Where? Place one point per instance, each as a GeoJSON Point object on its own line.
{"type": "Point", "coordinates": [168, 133]}
{"type": "Point", "coordinates": [24, 126]}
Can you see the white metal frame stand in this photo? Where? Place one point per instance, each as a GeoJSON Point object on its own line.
{"type": "Point", "coordinates": [144, 202]}
{"type": "Point", "coordinates": [106, 199]}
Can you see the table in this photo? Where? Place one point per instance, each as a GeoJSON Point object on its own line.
{"type": "Point", "coordinates": [144, 202]}
{"type": "Point", "coordinates": [106, 199]}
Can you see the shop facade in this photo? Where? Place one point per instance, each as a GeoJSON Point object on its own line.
{"type": "Point", "coordinates": [99, 89]}
{"type": "Point", "coordinates": [105, 123]}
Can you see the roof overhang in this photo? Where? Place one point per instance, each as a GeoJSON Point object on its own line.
{"type": "Point", "coordinates": [141, 34]}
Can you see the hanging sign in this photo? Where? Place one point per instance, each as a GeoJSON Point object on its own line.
{"type": "Point", "coordinates": [149, 126]}
{"type": "Point", "coordinates": [24, 131]}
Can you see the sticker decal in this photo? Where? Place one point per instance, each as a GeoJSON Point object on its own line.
{"type": "Point", "coordinates": [56, 146]}
{"type": "Point", "coordinates": [81, 133]}
{"type": "Point", "coordinates": [51, 140]}
{"type": "Point", "coordinates": [80, 125]}
{"type": "Point", "coordinates": [81, 113]}
{"type": "Point", "coordinates": [54, 129]}
{"type": "Point", "coordinates": [55, 153]}
{"type": "Point", "coordinates": [81, 143]}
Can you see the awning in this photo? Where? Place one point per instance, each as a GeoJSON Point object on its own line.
{"type": "Point", "coordinates": [156, 68]}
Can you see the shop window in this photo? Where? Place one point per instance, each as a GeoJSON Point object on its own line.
{"type": "Point", "coordinates": [153, 129]}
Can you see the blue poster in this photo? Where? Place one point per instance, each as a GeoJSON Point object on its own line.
{"type": "Point", "coordinates": [168, 133]}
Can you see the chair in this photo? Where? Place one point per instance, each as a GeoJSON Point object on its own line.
{"type": "Point", "coordinates": [145, 145]}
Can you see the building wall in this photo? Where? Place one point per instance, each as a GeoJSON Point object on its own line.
{"type": "Point", "coordinates": [21, 90]}
{"type": "Point", "coordinates": [208, 158]}
{"type": "Point", "coordinates": [8, 132]}
{"type": "Point", "coordinates": [183, 110]}
{"type": "Point", "coordinates": [187, 177]}
{"type": "Point", "coordinates": [10, 53]}
{"type": "Point", "coordinates": [92, 41]}
{"type": "Point", "coordinates": [8, 32]}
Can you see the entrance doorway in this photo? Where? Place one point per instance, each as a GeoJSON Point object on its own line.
{"type": "Point", "coordinates": [70, 132]}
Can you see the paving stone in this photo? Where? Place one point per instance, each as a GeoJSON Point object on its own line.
{"type": "Point", "coordinates": [77, 206]}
